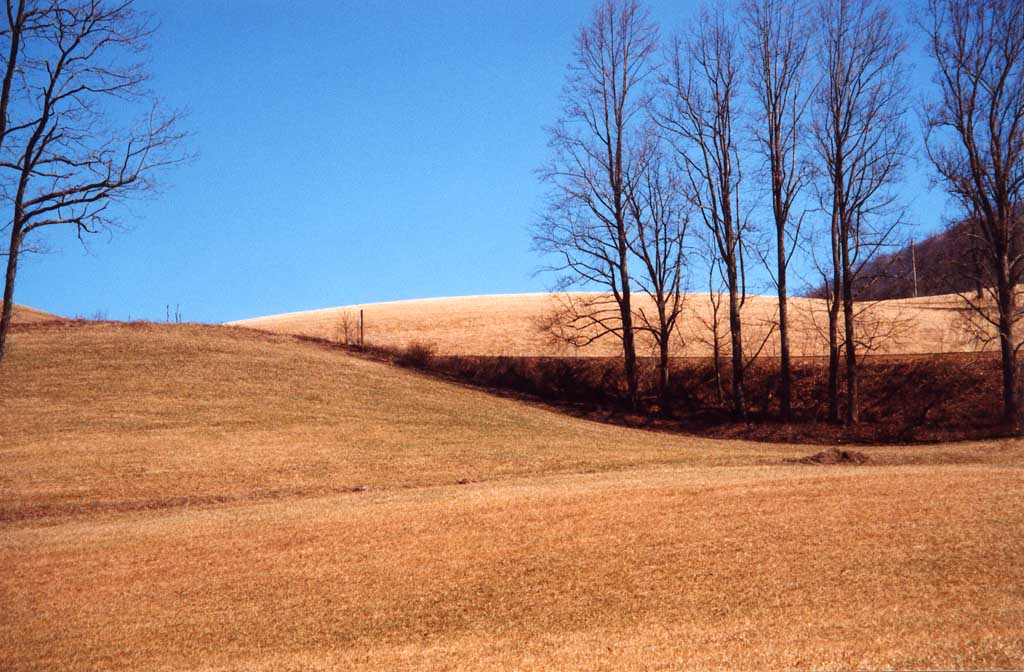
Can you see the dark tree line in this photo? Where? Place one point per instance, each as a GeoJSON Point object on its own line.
{"type": "Point", "coordinates": [811, 98]}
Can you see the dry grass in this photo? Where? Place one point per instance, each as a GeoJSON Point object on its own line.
{"type": "Point", "coordinates": [177, 497]}
{"type": "Point", "coordinates": [508, 325]}
{"type": "Point", "coordinates": [25, 315]}
{"type": "Point", "coordinates": [125, 416]}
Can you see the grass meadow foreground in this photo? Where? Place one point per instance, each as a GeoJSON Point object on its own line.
{"type": "Point", "coordinates": [180, 497]}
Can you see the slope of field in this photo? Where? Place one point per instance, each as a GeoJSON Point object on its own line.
{"type": "Point", "coordinates": [25, 315]}
{"type": "Point", "coordinates": [512, 324]}
{"type": "Point", "coordinates": [177, 497]}
{"type": "Point", "coordinates": [121, 416]}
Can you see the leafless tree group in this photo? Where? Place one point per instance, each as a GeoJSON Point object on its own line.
{"type": "Point", "coordinates": [811, 98]}
{"type": "Point", "coordinates": [861, 139]}
{"type": "Point", "coordinates": [975, 140]}
{"type": "Point", "coordinates": [71, 69]}
{"type": "Point", "coordinates": [596, 169]}
{"type": "Point", "coordinates": [697, 112]}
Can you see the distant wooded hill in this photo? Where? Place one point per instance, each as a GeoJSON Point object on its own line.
{"type": "Point", "coordinates": [946, 262]}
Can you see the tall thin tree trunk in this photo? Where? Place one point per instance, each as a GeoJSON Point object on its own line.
{"type": "Point", "coordinates": [664, 403]}
{"type": "Point", "coordinates": [5, 98]}
{"type": "Point", "coordinates": [628, 340]}
{"type": "Point", "coordinates": [629, 352]}
{"type": "Point", "coordinates": [785, 390]}
{"type": "Point", "coordinates": [833, 325]}
{"type": "Point", "coordinates": [1006, 295]}
{"type": "Point", "coordinates": [979, 284]}
{"type": "Point", "coordinates": [716, 346]}
{"type": "Point", "coordinates": [739, 404]}
{"type": "Point", "coordinates": [8, 309]}
{"type": "Point", "coordinates": [717, 359]}
{"type": "Point", "coordinates": [12, 66]}
{"type": "Point", "coordinates": [852, 414]}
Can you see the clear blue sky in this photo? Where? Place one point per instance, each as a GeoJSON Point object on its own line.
{"type": "Point", "coordinates": [347, 152]}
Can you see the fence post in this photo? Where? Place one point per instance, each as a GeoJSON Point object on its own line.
{"type": "Point", "coordinates": [913, 265]}
{"type": "Point", "coordinates": [360, 327]}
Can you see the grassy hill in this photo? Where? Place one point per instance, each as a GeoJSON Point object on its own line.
{"type": "Point", "coordinates": [511, 325]}
{"type": "Point", "coordinates": [25, 315]}
{"type": "Point", "coordinates": [120, 415]}
{"type": "Point", "coordinates": [181, 497]}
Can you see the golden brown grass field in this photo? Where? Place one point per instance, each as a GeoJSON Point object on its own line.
{"type": "Point", "coordinates": [25, 315]}
{"type": "Point", "coordinates": [509, 325]}
{"type": "Point", "coordinates": [184, 497]}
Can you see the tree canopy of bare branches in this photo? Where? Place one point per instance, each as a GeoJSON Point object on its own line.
{"type": "Point", "coordinates": [593, 172]}
{"type": "Point", "coordinates": [975, 140]}
{"type": "Point", "coordinates": [660, 220]}
{"type": "Point", "coordinates": [861, 139]}
{"type": "Point", "coordinates": [698, 114]}
{"type": "Point", "coordinates": [72, 69]}
{"type": "Point", "coordinates": [777, 35]}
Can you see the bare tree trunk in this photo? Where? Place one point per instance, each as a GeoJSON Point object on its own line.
{"type": "Point", "coordinates": [68, 163]}
{"type": "Point", "coordinates": [833, 325]}
{"type": "Point", "coordinates": [974, 140]}
{"type": "Point", "coordinates": [596, 149]}
{"type": "Point", "coordinates": [717, 360]}
{"type": "Point", "coordinates": [862, 142]}
{"type": "Point", "coordinates": [979, 272]}
{"type": "Point", "coordinates": [16, 27]}
{"type": "Point", "coordinates": [1006, 297]}
{"type": "Point", "coordinates": [852, 414]}
{"type": "Point", "coordinates": [739, 405]}
{"type": "Point", "coordinates": [777, 38]}
{"type": "Point", "coordinates": [697, 114]}
{"type": "Point", "coordinates": [716, 338]}
{"type": "Point", "coordinates": [628, 334]}
{"type": "Point", "coordinates": [660, 221]}
{"type": "Point", "coordinates": [786, 377]}
{"type": "Point", "coordinates": [664, 399]}
{"type": "Point", "coordinates": [8, 309]}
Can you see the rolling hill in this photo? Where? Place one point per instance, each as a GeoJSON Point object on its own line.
{"type": "Point", "coordinates": [184, 497]}
{"type": "Point", "coordinates": [25, 315]}
{"type": "Point", "coordinates": [512, 325]}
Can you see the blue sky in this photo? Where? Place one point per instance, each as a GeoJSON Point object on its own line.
{"type": "Point", "coordinates": [346, 152]}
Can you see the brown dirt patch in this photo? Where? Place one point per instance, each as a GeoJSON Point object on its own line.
{"type": "Point", "coordinates": [832, 456]}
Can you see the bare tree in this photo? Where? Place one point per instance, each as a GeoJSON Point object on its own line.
{"type": "Point", "coordinates": [65, 159]}
{"type": "Point", "coordinates": [592, 174]}
{"type": "Point", "coordinates": [861, 139]}
{"type": "Point", "coordinates": [777, 33]}
{"type": "Point", "coordinates": [348, 327]}
{"type": "Point", "coordinates": [660, 223]}
{"type": "Point", "coordinates": [831, 283]}
{"type": "Point", "coordinates": [712, 323]}
{"type": "Point", "coordinates": [975, 139]}
{"type": "Point", "coordinates": [698, 114]}
{"type": "Point", "coordinates": [24, 20]}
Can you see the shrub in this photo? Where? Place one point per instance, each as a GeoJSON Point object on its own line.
{"type": "Point", "coordinates": [416, 355]}
{"type": "Point", "coordinates": [347, 331]}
